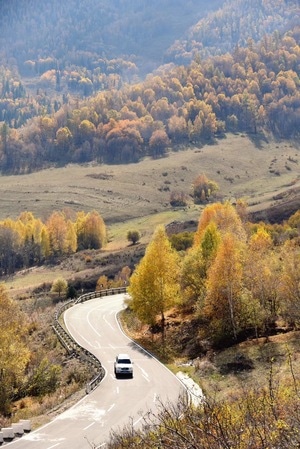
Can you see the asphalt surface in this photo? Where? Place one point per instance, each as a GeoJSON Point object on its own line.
{"type": "Point", "coordinates": [115, 403]}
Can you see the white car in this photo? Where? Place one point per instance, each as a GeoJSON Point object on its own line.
{"type": "Point", "coordinates": [123, 365]}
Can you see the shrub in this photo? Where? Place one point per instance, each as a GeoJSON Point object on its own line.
{"type": "Point", "coordinates": [133, 236]}
{"type": "Point", "coordinates": [203, 189]}
{"type": "Point", "coordinates": [178, 199]}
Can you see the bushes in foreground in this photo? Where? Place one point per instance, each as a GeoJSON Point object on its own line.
{"type": "Point", "coordinates": [258, 419]}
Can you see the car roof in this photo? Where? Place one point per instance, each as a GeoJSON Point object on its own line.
{"type": "Point", "coordinates": [123, 356]}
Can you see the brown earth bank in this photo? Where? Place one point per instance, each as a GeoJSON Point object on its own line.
{"type": "Point", "coordinates": [283, 205]}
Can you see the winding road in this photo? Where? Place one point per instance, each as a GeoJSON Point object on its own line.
{"type": "Point", "coordinates": [115, 402]}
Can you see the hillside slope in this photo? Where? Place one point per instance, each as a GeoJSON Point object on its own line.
{"type": "Point", "coordinates": [236, 23]}
{"type": "Point", "coordinates": [265, 174]}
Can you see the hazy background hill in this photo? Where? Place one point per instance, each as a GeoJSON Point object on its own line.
{"type": "Point", "coordinates": [235, 23]}
{"type": "Point", "coordinates": [84, 81]}
{"type": "Point", "coordinates": [148, 33]}
{"type": "Point", "coordinates": [92, 29]}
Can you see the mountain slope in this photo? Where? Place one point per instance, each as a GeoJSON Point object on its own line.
{"type": "Point", "coordinates": [104, 29]}
{"type": "Point", "coordinates": [236, 23]}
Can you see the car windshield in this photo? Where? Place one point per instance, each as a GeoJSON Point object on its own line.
{"type": "Point", "coordinates": [124, 361]}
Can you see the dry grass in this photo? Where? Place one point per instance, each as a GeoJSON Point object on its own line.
{"type": "Point", "coordinates": [226, 373]}
{"type": "Point", "coordinates": [256, 171]}
{"type": "Point", "coordinates": [22, 283]}
{"type": "Point", "coordinates": [277, 357]}
{"type": "Point", "coordinates": [40, 411]}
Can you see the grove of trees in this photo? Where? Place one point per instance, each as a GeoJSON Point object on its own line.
{"type": "Point", "coordinates": [237, 278]}
{"type": "Point", "coordinates": [253, 89]}
{"type": "Point", "coordinates": [28, 241]}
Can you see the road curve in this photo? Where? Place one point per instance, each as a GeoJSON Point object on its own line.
{"type": "Point", "coordinates": [115, 402]}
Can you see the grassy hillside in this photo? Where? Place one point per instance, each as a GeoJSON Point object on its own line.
{"type": "Point", "coordinates": [137, 196]}
{"type": "Point", "coordinates": [258, 171]}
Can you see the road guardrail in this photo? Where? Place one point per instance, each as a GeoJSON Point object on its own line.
{"type": "Point", "coordinates": [71, 346]}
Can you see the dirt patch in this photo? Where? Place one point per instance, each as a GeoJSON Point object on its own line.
{"type": "Point", "coordinates": [279, 208]}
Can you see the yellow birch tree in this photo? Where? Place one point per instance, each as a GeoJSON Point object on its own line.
{"type": "Point", "coordinates": [196, 264]}
{"type": "Point", "coordinates": [224, 287]}
{"type": "Point", "coordinates": [262, 273]}
{"type": "Point", "coordinates": [154, 285]}
{"type": "Point", "coordinates": [290, 284]}
{"type": "Point", "coordinates": [57, 230]}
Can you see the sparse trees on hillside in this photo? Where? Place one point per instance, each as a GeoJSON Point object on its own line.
{"type": "Point", "coordinates": [240, 276]}
{"type": "Point", "coordinates": [237, 278]}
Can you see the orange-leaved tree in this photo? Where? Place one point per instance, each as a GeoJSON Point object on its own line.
{"type": "Point", "coordinates": [226, 219]}
{"type": "Point", "coordinates": [204, 188]}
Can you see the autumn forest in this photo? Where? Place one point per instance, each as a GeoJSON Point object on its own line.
{"type": "Point", "coordinates": [118, 82]}
{"type": "Point", "coordinates": [104, 113]}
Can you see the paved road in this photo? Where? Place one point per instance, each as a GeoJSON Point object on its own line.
{"type": "Point", "coordinates": [115, 402]}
